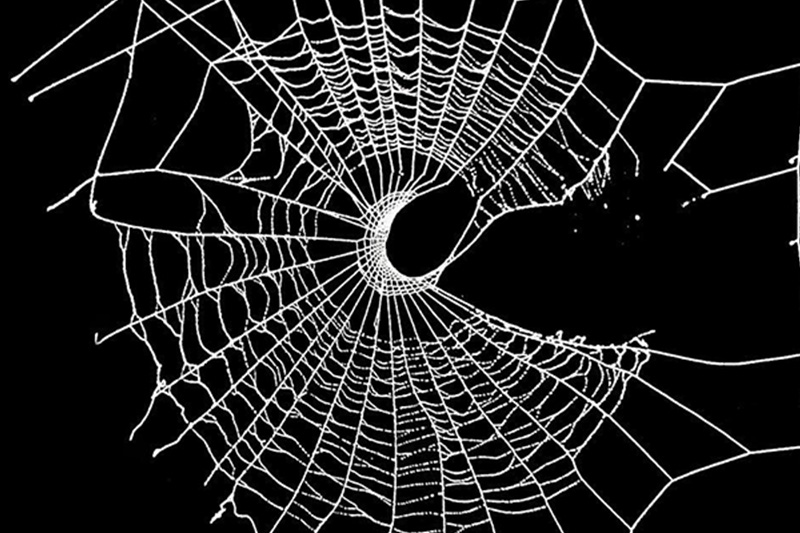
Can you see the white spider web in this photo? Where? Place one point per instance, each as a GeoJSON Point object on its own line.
{"type": "Point", "coordinates": [319, 378]}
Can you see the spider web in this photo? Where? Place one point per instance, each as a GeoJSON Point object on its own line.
{"type": "Point", "coordinates": [319, 378]}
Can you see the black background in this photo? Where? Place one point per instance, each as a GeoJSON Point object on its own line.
{"type": "Point", "coordinates": [716, 279]}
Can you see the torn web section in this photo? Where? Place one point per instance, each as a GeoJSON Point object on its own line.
{"type": "Point", "coordinates": [560, 134]}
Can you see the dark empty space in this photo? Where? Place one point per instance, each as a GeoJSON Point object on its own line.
{"type": "Point", "coordinates": [426, 230]}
